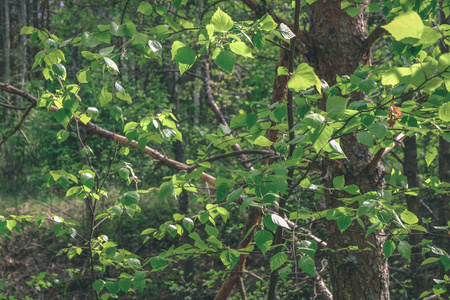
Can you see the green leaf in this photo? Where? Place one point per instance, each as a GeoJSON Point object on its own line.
{"type": "Point", "coordinates": [125, 284]}
{"type": "Point", "coordinates": [105, 96]}
{"type": "Point", "coordinates": [222, 191]}
{"type": "Point", "coordinates": [444, 112]}
{"type": "Point", "coordinates": [367, 86]}
{"type": "Point", "coordinates": [235, 194]}
{"type": "Point", "coordinates": [87, 179]}
{"type": "Point", "coordinates": [62, 135]}
{"type": "Point", "coordinates": [185, 55]}
{"type": "Point", "coordinates": [166, 191]}
{"type": "Point", "coordinates": [84, 75]}
{"type": "Point", "coordinates": [303, 78]}
{"type": "Point", "coordinates": [276, 219]}
{"type": "Point", "coordinates": [221, 21]}
{"type": "Point", "coordinates": [314, 120]}
{"type": "Point", "coordinates": [279, 113]}
{"type": "Point", "coordinates": [430, 154]}
{"type": "Point", "coordinates": [406, 27]}
{"type": "Point", "coordinates": [352, 189]}
{"type": "Point", "coordinates": [27, 30]}
{"type": "Point", "coordinates": [262, 141]}
{"type": "Point", "coordinates": [59, 69]}
{"type": "Point", "coordinates": [124, 173]}
{"type": "Point", "coordinates": [139, 39]}
{"type": "Point", "coordinates": [10, 224]}
{"type": "Point", "coordinates": [226, 60]}
{"type": "Point", "coordinates": [211, 230]}
{"type": "Point", "coordinates": [111, 64]}
{"type": "Point", "coordinates": [92, 112]}
{"type": "Point", "coordinates": [321, 137]}
{"type": "Point", "coordinates": [63, 116]}
{"type": "Point", "coordinates": [286, 32]}
{"type": "Point", "coordinates": [188, 224]}
{"type": "Point", "coordinates": [336, 106]}
{"type": "Point", "coordinates": [367, 207]}
{"type": "Point", "coordinates": [229, 257]}
{"type": "Point", "coordinates": [353, 11]}
{"type": "Point", "coordinates": [429, 260]}
{"type": "Point", "coordinates": [373, 8]}
{"type": "Point", "coordinates": [267, 23]}
{"type": "Point", "coordinates": [98, 285]}
{"type": "Point", "coordinates": [241, 48]}
{"type": "Point", "coordinates": [130, 198]}
{"type": "Point", "coordinates": [277, 260]}
{"type": "Point", "coordinates": [445, 260]}
{"type": "Point", "coordinates": [263, 240]}
{"type": "Point", "coordinates": [89, 40]}
{"type": "Point", "coordinates": [284, 272]}
{"type": "Point", "coordinates": [215, 242]}
{"type": "Point", "coordinates": [365, 138]}
{"type": "Point", "coordinates": [372, 229]}
{"type": "Point", "coordinates": [343, 223]}
{"type": "Point", "coordinates": [408, 217]}
{"type": "Point", "coordinates": [145, 8]}
{"type": "Point", "coordinates": [388, 248]}
{"type": "Point", "coordinates": [156, 47]}
{"type": "Point", "coordinates": [404, 248]}
{"type": "Point", "coordinates": [106, 51]}
{"type": "Point", "coordinates": [158, 262]}
{"type": "Point", "coordinates": [306, 263]}
{"type": "Point", "coordinates": [339, 182]}
{"type": "Point", "coordinates": [378, 129]}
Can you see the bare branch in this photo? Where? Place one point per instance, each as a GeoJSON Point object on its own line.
{"type": "Point", "coordinates": [12, 107]}
{"type": "Point", "coordinates": [99, 131]}
{"type": "Point", "coordinates": [18, 125]}
{"type": "Point", "coordinates": [383, 151]}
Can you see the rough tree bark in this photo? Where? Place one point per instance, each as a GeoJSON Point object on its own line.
{"type": "Point", "coordinates": [339, 46]}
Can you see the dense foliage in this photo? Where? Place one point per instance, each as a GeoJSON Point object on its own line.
{"type": "Point", "coordinates": [226, 149]}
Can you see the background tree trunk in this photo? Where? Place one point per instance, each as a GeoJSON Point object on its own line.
{"type": "Point", "coordinates": [23, 44]}
{"type": "Point", "coordinates": [6, 41]}
{"type": "Point", "coordinates": [413, 203]}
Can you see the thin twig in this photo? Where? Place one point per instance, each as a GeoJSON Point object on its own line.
{"type": "Point", "coordinates": [19, 124]}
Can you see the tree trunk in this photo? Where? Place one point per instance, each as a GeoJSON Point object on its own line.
{"type": "Point", "coordinates": [419, 285]}
{"type": "Point", "coordinates": [23, 44]}
{"type": "Point", "coordinates": [6, 41]}
{"type": "Point", "coordinates": [339, 46]}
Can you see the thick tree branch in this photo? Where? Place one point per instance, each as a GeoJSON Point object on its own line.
{"type": "Point", "coordinates": [99, 131]}
{"type": "Point", "coordinates": [383, 151]}
{"type": "Point", "coordinates": [374, 36]}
